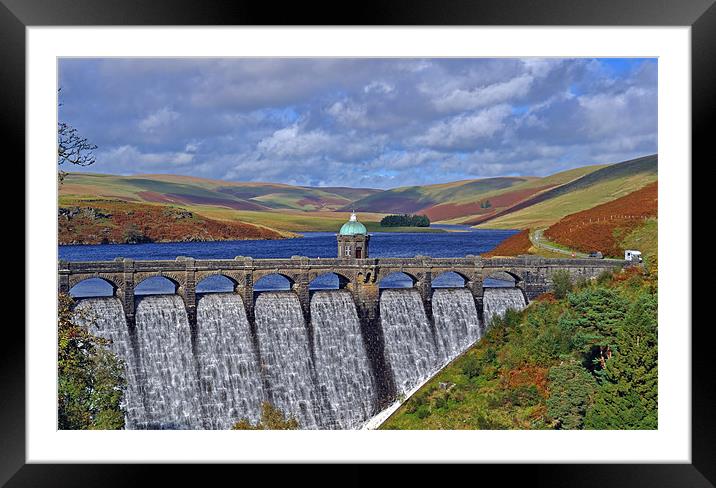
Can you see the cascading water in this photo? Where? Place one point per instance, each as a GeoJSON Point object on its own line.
{"type": "Point", "coordinates": [286, 357]}
{"type": "Point", "coordinates": [163, 341]}
{"type": "Point", "coordinates": [342, 365]}
{"type": "Point", "coordinates": [410, 347]}
{"type": "Point", "coordinates": [228, 367]}
{"type": "Point", "coordinates": [320, 374]}
{"type": "Point", "coordinates": [105, 318]}
{"type": "Point", "coordinates": [457, 325]}
{"type": "Point", "coordinates": [496, 301]}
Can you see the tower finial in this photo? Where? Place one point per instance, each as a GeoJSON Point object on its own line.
{"type": "Point", "coordinates": [353, 216]}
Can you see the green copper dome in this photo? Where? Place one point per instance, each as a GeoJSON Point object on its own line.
{"type": "Point", "coordinates": [353, 227]}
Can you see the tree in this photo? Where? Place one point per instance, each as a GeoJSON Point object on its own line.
{"type": "Point", "coordinates": [271, 419]}
{"type": "Point", "coordinates": [593, 320]}
{"type": "Point", "coordinates": [628, 396]}
{"type": "Point", "coordinates": [572, 389]}
{"type": "Point", "coordinates": [405, 220]}
{"type": "Point", "coordinates": [90, 379]}
{"type": "Point", "coordinates": [72, 147]}
{"type": "Point", "coordinates": [562, 283]}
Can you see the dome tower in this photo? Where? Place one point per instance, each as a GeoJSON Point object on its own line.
{"type": "Point", "coordinates": [353, 239]}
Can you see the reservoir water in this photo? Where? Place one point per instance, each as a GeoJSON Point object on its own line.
{"type": "Point", "coordinates": [461, 241]}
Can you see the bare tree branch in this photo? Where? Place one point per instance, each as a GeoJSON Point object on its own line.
{"type": "Point", "coordinates": [72, 147]}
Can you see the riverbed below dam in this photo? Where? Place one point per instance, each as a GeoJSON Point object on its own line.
{"type": "Point", "coordinates": [332, 373]}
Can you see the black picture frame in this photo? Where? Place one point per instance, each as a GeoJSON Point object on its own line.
{"type": "Point", "coordinates": [16, 15]}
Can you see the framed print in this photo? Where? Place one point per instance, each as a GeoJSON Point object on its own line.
{"type": "Point", "coordinates": [435, 226]}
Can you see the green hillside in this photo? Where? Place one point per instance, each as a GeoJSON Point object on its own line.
{"type": "Point", "coordinates": [415, 198]}
{"type": "Point", "coordinates": [597, 187]}
{"type": "Point", "coordinates": [503, 202]}
{"type": "Point", "coordinates": [197, 191]}
{"type": "Point", "coordinates": [586, 359]}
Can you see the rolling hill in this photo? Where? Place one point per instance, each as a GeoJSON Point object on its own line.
{"type": "Point", "coordinates": [117, 222]}
{"type": "Point", "coordinates": [594, 188]}
{"type": "Point", "coordinates": [186, 190]}
{"type": "Point", "coordinates": [501, 202]}
{"type": "Point", "coordinates": [608, 227]}
{"type": "Point", "coordinates": [419, 199]}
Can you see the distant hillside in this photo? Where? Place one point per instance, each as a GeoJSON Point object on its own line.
{"type": "Point", "coordinates": [185, 190]}
{"type": "Point", "coordinates": [512, 246]}
{"type": "Point", "coordinates": [113, 222]}
{"type": "Point", "coordinates": [502, 202]}
{"type": "Point", "coordinates": [600, 186]}
{"type": "Point", "coordinates": [420, 199]}
{"type": "Point", "coordinates": [606, 227]}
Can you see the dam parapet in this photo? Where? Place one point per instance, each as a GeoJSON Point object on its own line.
{"type": "Point", "coordinates": [360, 276]}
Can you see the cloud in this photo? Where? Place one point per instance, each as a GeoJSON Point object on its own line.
{"type": "Point", "coordinates": [129, 156]}
{"type": "Point", "coordinates": [375, 122]}
{"type": "Point", "coordinates": [468, 99]}
{"type": "Point", "coordinates": [466, 130]}
{"type": "Point", "coordinates": [379, 87]}
{"type": "Point", "coordinates": [157, 120]}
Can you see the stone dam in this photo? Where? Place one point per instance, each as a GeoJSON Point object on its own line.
{"type": "Point", "coordinates": [332, 359]}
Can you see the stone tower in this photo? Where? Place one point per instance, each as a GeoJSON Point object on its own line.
{"type": "Point", "coordinates": [353, 239]}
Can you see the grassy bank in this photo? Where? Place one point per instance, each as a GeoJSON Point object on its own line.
{"type": "Point", "coordinates": [587, 360]}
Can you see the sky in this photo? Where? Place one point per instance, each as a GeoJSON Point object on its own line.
{"type": "Point", "coordinates": [378, 123]}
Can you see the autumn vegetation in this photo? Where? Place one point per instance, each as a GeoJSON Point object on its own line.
{"type": "Point", "coordinates": [90, 378]}
{"type": "Point", "coordinates": [604, 227]}
{"type": "Point", "coordinates": [271, 419]}
{"type": "Point", "coordinates": [107, 221]}
{"type": "Point", "coordinates": [587, 360]}
{"type": "Point", "coordinates": [512, 246]}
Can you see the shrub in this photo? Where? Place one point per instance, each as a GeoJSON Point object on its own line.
{"type": "Point", "coordinates": [562, 283]}
{"type": "Point", "coordinates": [572, 389]}
{"type": "Point", "coordinates": [132, 235]}
{"type": "Point", "coordinates": [271, 419]}
{"type": "Point", "coordinates": [523, 396]}
{"type": "Point", "coordinates": [90, 379]}
{"type": "Point", "coordinates": [423, 412]}
{"type": "Point", "coordinates": [471, 366]}
{"type": "Point", "coordinates": [604, 277]}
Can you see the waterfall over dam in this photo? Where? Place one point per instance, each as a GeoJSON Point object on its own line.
{"type": "Point", "coordinates": [334, 372]}
{"type": "Point", "coordinates": [498, 300]}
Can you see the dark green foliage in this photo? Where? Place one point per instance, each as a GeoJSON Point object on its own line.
{"type": "Point", "coordinates": [586, 361]}
{"type": "Point", "coordinates": [593, 317]}
{"type": "Point", "coordinates": [423, 411]}
{"type": "Point", "coordinates": [405, 220]}
{"type": "Point", "coordinates": [485, 204]}
{"type": "Point", "coordinates": [133, 235]}
{"type": "Point", "coordinates": [271, 419]}
{"type": "Point", "coordinates": [90, 380]}
{"type": "Point", "coordinates": [627, 397]}
{"type": "Point", "coordinates": [471, 366]}
{"type": "Point", "coordinates": [522, 396]}
{"type": "Point", "coordinates": [572, 390]}
{"type": "Point", "coordinates": [561, 283]}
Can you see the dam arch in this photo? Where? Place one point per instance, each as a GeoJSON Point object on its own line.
{"type": "Point", "coordinates": [216, 283]}
{"type": "Point", "coordinates": [330, 280]}
{"type": "Point", "coordinates": [449, 279]}
{"type": "Point", "coordinates": [502, 275]}
{"type": "Point", "coordinates": [82, 288]}
{"type": "Point", "coordinates": [397, 279]}
{"type": "Point", "coordinates": [275, 281]}
{"type": "Point", "coordinates": [157, 285]}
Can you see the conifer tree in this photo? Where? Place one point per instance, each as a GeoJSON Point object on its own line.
{"type": "Point", "coordinates": [627, 398]}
